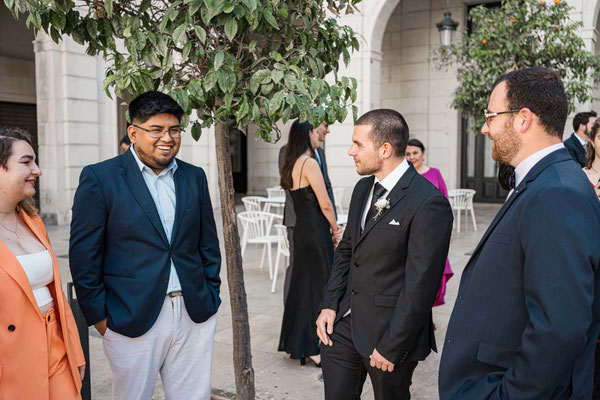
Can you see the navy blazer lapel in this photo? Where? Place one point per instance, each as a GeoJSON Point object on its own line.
{"type": "Point", "coordinates": [394, 197]}
{"type": "Point", "coordinates": [578, 143]}
{"type": "Point", "coordinates": [554, 157]}
{"type": "Point", "coordinates": [181, 196]}
{"type": "Point", "coordinates": [137, 185]}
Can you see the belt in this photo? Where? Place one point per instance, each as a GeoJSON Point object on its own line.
{"type": "Point", "coordinates": [175, 293]}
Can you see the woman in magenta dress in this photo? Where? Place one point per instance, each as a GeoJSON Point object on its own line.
{"type": "Point", "coordinates": [415, 154]}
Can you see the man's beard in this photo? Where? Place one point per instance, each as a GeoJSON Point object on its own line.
{"type": "Point", "coordinates": [507, 145]}
{"type": "Point", "coordinates": [371, 169]}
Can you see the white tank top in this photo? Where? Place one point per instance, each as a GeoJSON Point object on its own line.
{"type": "Point", "coordinates": [38, 268]}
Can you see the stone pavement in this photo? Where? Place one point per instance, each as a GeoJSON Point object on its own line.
{"type": "Point", "coordinates": [277, 376]}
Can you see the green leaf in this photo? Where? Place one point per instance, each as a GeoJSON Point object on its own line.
{"type": "Point", "coordinates": [92, 27]}
{"type": "Point", "coordinates": [251, 4]}
{"type": "Point", "coordinates": [243, 110]}
{"type": "Point", "coordinates": [210, 81]}
{"type": "Point", "coordinates": [59, 20]}
{"type": "Point", "coordinates": [108, 6]}
{"type": "Point", "coordinates": [231, 28]}
{"type": "Point", "coordinates": [179, 33]}
{"type": "Point", "coordinates": [185, 53]}
{"type": "Point", "coordinates": [219, 59]}
{"type": "Point", "coordinates": [196, 131]}
{"type": "Point", "coordinates": [108, 82]}
{"type": "Point", "coordinates": [268, 16]}
{"type": "Point", "coordinates": [228, 8]}
{"type": "Point", "coordinates": [201, 33]}
{"type": "Point", "coordinates": [277, 76]}
{"type": "Point", "coordinates": [227, 100]}
{"type": "Point", "coordinates": [276, 101]}
{"type": "Point", "coordinates": [194, 6]}
{"type": "Point", "coordinates": [226, 81]}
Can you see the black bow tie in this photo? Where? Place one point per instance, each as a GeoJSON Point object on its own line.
{"type": "Point", "coordinates": [512, 181]}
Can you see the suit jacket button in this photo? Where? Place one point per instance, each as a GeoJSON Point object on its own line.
{"type": "Point", "coordinates": [170, 252]}
{"type": "Point", "coordinates": [165, 280]}
{"type": "Point", "coordinates": [354, 292]}
{"type": "Point", "coordinates": [11, 328]}
{"type": "Point", "coordinates": [356, 265]}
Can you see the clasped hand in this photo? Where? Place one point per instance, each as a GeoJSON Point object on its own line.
{"type": "Point", "coordinates": [336, 235]}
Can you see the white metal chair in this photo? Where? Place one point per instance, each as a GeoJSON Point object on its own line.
{"type": "Point", "coordinates": [276, 191]}
{"type": "Point", "coordinates": [462, 199]}
{"type": "Point", "coordinates": [253, 203]}
{"type": "Point", "coordinates": [257, 230]}
{"type": "Point", "coordinates": [338, 196]}
{"type": "Point", "coordinates": [283, 250]}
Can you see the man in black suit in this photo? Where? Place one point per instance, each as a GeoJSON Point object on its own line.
{"type": "Point", "coordinates": [576, 143]}
{"type": "Point", "coordinates": [289, 216]}
{"type": "Point", "coordinates": [376, 312]}
{"type": "Point", "coordinates": [527, 315]}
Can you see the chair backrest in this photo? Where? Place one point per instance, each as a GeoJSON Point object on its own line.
{"type": "Point", "coordinates": [258, 224]}
{"type": "Point", "coordinates": [338, 195]}
{"type": "Point", "coordinates": [253, 203]}
{"type": "Point", "coordinates": [276, 191]}
{"type": "Point", "coordinates": [282, 242]}
{"type": "Point", "coordinates": [461, 199]}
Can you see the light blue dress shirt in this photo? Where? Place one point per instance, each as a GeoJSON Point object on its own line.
{"type": "Point", "coordinates": [162, 190]}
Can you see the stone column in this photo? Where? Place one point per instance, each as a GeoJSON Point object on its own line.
{"type": "Point", "coordinates": [76, 121]}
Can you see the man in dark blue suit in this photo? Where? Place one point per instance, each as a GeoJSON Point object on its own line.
{"type": "Point", "coordinates": [577, 142]}
{"type": "Point", "coordinates": [526, 318]}
{"type": "Point", "coordinates": [145, 259]}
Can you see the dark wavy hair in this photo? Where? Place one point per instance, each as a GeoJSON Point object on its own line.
{"type": "Point", "coordinates": [8, 136]}
{"type": "Point", "coordinates": [591, 152]}
{"type": "Point", "coordinates": [149, 104]}
{"type": "Point", "coordinates": [298, 143]}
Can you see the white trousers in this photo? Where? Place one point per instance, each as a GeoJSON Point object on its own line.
{"type": "Point", "coordinates": [176, 347]}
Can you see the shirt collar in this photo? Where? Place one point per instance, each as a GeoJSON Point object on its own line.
{"type": "Point", "coordinates": [527, 164]}
{"type": "Point", "coordinates": [583, 143]}
{"type": "Point", "coordinates": [393, 177]}
{"type": "Point", "coordinates": [170, 169]}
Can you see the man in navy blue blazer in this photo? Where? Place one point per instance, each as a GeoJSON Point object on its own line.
{"type": "Point", "coordinates": [526, 318]}
{"type": "Point", "coordinates": [145, 258]}
{"type": "Point", "coordinates": [577, 142]}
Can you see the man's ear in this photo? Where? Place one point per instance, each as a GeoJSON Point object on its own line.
{"type": "Point", "coordinates": [132, 133]}
{"type": "Point", "coordinates": [526, 119]}
{"type": "Point", "coordinates": [387, 150]}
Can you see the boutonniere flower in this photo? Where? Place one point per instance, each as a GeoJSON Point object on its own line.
{"type": "Point", "coordinates": [381, 204]}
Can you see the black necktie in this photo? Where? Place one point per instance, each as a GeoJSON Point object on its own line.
{"type": "Point", "coordinates": [512, 180]}
{"type": "Point", "coordinates": [378, 192]}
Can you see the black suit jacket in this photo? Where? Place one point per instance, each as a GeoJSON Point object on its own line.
{"type": "Point", "coordinates": [289, 216]}
{"type": "Point", "coordinates": [389, 275]}
{"type": "Point", "coordinates": [576, 150]}
{"type": "Point", "coordinates": [119, 254]}
{"type": "Point", "coordinates": [527, 315]}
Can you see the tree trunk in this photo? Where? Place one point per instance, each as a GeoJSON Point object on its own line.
{"type": "Point", "coordinates": [242, 356]}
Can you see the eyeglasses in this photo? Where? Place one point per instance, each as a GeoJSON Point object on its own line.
{"type": "Point", "coordinates": [489, 115]}
{"type": "Point", "coordinates": [157, 133]}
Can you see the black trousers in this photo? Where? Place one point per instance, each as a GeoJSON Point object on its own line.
{"type": "Point", "coordinates": [596, 392]}
{"type": "Point", "coordinates": [345, 370]}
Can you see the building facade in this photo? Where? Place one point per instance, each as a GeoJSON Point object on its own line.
{"type": "Point", "coordinates": [55, 90]}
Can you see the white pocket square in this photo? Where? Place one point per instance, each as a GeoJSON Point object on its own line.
{"type": "Point", "coordinates": [394, 222]}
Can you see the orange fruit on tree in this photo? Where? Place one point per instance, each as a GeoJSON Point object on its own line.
{"type": "Point", "coordinates": [484, 41]}
{"type": "Point", "coordinates": [542, 2]}
{"type": "Point", "coordinates": [556, 1]}
{"type": "Point", "coordinates": [512, 20]}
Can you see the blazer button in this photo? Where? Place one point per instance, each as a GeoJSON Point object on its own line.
{"type": "Point", "coordinates": [165, 280]}
{"type": "Point", "coordinates": [354, 292]}
{"type": "Point", "coordinates": [356, 265]}
{"type": "Point", "coordinates": [170, 252]}
{"type": "Point", "coordinates": [11, 328]}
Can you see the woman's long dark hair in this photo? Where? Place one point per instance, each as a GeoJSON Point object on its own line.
{"type": "Point", "coordinates": [8, 136]}
{"type": "Point", "coordinates": [298, 143]}
{"type": "Point", "coordinates": [591, 151]}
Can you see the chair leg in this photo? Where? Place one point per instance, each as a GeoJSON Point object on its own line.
{"type": "Point", "coordinates": [458, 222]}
{"type": "Point", "coordinates": [276, 271]}
{"type": "Point", "coordinates": [473, 217]}
{"type": "Point", "coordinates": [262, 258]}
{"type": "Point", "coordinates": [270, 262]}
{"type": "Point", "coordinates": [243, 244]}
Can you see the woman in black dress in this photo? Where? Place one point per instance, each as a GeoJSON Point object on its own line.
{"type": "Point", "coordinates": [315, 234]}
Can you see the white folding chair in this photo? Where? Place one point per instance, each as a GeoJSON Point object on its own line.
{"type": "Point", "coordinates": [462, 199]}
{"type": "Point", "coordinates": [276, 208]}
{"type": "Point", "coordinates": [283, 250]}
{"type": "Point", "coordinates": [338, 195]}
{"type": "Point", "coordinates": [253, 203]}
{"type": "Point", "coordinates": [257, 230]}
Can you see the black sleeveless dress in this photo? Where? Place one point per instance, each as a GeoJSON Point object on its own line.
{"type": "Point", "coordinates": [313, 256]}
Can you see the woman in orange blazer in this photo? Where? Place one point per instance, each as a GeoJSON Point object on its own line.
{"type": "Point", "coordinates": [40, 354]}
